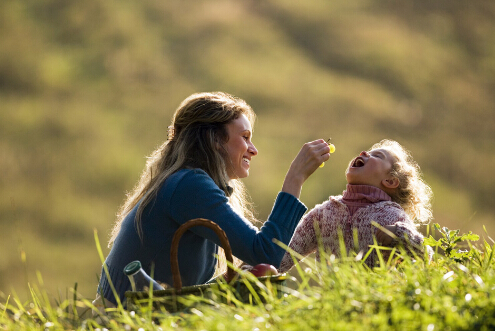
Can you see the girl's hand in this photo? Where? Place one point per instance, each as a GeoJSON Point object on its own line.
{"type": "Point", "coordinates": [308, 159]}
{"type": "Point", "coordinates": [383, 238]}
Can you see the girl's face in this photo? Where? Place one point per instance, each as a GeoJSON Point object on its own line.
{"type": "Point", "coordinates": [373, 168]}
{"type": "Point", "coordinates": [239, 147]}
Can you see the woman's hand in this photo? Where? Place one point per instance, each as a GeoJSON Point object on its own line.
{"type": "Point", "coordinates": [308, 159]}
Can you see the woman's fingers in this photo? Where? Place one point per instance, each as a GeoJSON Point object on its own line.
{"type": "Point", "coordinates": [309, 158]}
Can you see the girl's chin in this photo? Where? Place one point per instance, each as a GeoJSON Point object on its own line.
{"type": "Point", "coordinates": [353, 181]}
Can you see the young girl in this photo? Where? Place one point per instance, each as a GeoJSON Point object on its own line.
{"type": "Point", "coordinates": [384, 185]}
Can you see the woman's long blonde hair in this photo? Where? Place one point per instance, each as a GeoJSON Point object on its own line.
{"type": "Point", "coordinates": [198, 129]}
{"type": "Point", "coordinates": [413, 194]}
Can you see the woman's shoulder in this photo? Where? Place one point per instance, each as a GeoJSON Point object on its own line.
{"type": "Point", "coordinates": [188, 172]}
{"type": "Point", "coordinates": [190, 188]}
{"type": "Point", "coordinates": [189, 176]}
{"type": "Point", "coordinates": [190, 181]}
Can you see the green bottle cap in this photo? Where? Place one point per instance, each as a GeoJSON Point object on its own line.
{"type": "Point", "coordinates": [132, 268]}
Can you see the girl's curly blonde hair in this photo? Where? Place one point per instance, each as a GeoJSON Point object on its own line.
{"type": "Point", "coordinates": [413, 194]}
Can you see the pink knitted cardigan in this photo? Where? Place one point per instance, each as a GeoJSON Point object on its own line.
{"type": "Point", "coordinates": [354, 210]}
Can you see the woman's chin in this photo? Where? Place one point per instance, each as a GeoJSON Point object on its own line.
{"type": "Point", "coordinates": [239, 175]}
{"type": "Point", "coordinates": [244, 175]}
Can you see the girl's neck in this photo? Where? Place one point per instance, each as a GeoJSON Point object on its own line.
{"type": "Point", "coordinates": [358, 196]}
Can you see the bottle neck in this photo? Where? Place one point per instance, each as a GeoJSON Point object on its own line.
{"type": "Point", "coordinates": [135, 272]}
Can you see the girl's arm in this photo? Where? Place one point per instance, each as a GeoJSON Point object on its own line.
{"type": "Point", "coordinates": [406, 235]}
{"type": "Point", "coordinates": [304, 240]}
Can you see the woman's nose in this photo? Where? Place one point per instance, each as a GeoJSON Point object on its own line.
{"type": "Point", "coordinates": [364, 153]}
{"type": "Point", "coordinates": [252, 149]}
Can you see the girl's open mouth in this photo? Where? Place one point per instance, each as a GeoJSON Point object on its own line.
{"type": "Point", "coordinates": [358, 162]}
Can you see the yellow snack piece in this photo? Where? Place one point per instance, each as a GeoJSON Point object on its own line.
{"type": "Point", "coordinates": [332, 150]}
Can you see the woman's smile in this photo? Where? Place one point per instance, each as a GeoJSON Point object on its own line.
{"type": "Point", "coordinates": [239, 147]}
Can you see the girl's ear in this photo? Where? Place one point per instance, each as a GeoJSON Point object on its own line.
{"type": "Point", "coordinates": [391, 182]}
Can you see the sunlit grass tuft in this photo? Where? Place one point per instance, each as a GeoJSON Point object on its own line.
{"type": "Point", "coordinates": [402, 293]}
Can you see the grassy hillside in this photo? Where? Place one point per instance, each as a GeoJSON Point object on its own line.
{"type": "Point", "coordinates": [87, 90]}
{"type": "Point", "coordinates": [450, 292]}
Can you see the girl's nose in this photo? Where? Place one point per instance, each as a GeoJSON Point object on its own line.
{"type": "Point", "coordinates": [364, 153]}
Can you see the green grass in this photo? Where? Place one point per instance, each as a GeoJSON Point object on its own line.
{"type": "Point", "coordinates": [452, 292]}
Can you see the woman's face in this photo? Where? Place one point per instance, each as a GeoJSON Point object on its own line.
{"type": "Point", "coordinates": [239, 147]}
{"type": "Point", "coordinates": [371, 168]}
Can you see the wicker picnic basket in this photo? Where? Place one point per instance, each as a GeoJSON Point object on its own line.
{"type": "Point", "coordinates": [178, 298]}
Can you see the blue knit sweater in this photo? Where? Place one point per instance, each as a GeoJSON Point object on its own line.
{"type": "Point", "coordinates": [185, 195]}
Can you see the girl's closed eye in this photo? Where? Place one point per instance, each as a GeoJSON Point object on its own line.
{"type": "Point", "coordinates": [378, 154]}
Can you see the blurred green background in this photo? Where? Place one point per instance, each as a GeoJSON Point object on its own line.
{"type": "Point", "coordinates": [88, 88]}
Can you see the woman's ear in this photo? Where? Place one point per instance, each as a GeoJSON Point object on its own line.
{"type": "Point", "coordinates": [391, 182]}
{"type": "Point", "coordinates": [219, 144]}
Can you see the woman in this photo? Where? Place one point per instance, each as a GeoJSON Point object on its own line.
{"type": "Point", "coordinates": [196, 173]}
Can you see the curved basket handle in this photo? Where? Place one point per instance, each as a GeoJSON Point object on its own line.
{"type": "Point", "coordinates": [174, 263]}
